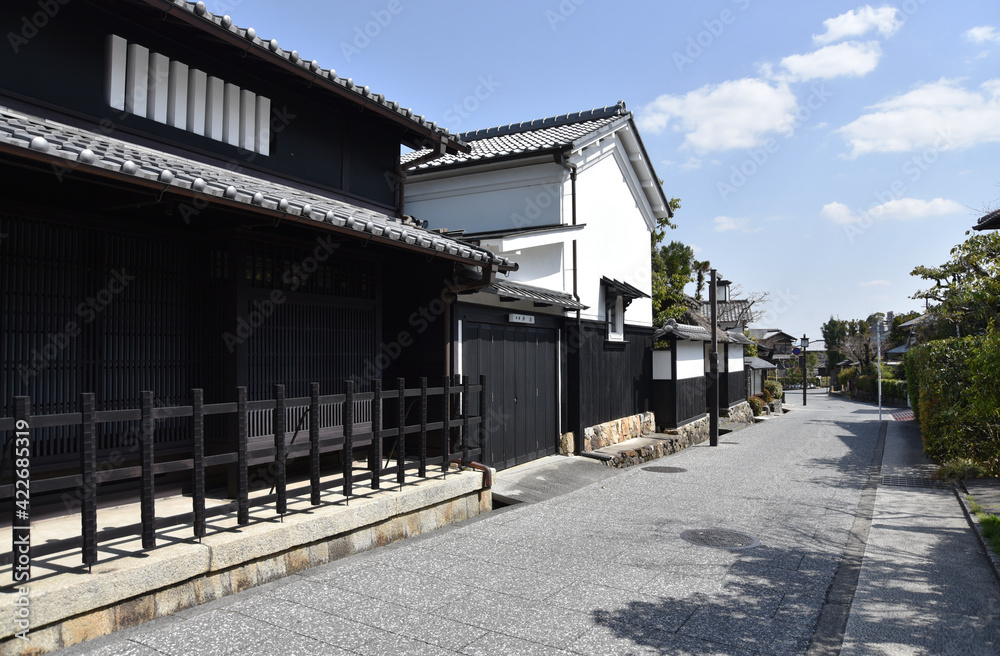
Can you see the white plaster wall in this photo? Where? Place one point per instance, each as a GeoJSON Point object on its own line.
{"type": "Point", "coordinates": [735, 358]}
{"type": "Point", "coordinates": [541, 266]}
{"type": "Point", "coordinates": [662, 367]}
{"type": "Point", "coordinates": [503, 199]}
{"type": "Point", "coordinates": [615, 242]}
{"type": "Point", "coordinates": [690, 359]}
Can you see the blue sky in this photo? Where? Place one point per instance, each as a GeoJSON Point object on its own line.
{"type": "Point", "coordinates": [821, 150]}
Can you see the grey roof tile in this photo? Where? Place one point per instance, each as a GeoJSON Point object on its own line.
{"type": "Point", "coordinates": [527, 137]}
{"type": "Point", "coordinates": [683, 331]}
{"type": "Point", "coordinates": [729, 311]}
{"type": "Point", "coordinates": [104, 152]}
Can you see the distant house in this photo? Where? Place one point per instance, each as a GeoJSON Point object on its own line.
{"type": "Point", "coordinates": [733, 313]}
{"type": "Point", "coordinates": [775, 346]}
{"type": "Point", "coordinates": [564, 341]}
{"type": "Point", "coordinates": [681, 368]}
{"type": "Point", "coordinates": [989, 221]}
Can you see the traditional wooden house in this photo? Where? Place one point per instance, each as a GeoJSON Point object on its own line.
{"type": "Point", "coordinates": [188, 204]}
{"type": "Point", "coordinates": [565, 341]}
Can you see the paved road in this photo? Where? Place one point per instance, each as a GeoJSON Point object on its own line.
{"type": "Point", "coordinates": [604, 570]}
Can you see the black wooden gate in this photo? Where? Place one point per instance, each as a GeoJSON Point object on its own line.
{"type": "Point", "coordinates": [521, 368]}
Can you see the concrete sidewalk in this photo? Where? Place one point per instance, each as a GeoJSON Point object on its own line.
{"type": "Point", "coordinates": [926, 586]}
{"type": "Point", "coordinates": [608, 568]}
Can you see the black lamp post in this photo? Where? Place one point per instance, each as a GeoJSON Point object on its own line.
{"type": "Point", "coordinates": [804, 344]}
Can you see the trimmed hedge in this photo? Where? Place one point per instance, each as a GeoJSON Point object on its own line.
{"type": "Point", "coordinates": [955, 384]}
{"type": "Point", "coordinates": [756, 405]}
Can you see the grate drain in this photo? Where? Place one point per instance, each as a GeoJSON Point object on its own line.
{"type": "Point", "coordinates": [664, 470]}
{"type": "Point", "coordinates": [915, 481]}
{"type": "Point", "coordinates": [720, 538]}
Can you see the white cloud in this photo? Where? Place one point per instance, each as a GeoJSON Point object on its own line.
{"type": "Point", "coordinates": [838, 213]}
{"type": "Point", "coordinates": [900, 209]}
{"type": "Point", "coordinates": [983, 34]}
{"type": "Point", "coordinates": [850, 58]}
{"type": "Point", "coordinates": [858, 22]}
{"type": "Point", "coordinates": [875, 283]}
{"type": "Point", "coordinates": [730, 224]}
{"type": "Point", "coordinates": [691, 164]}
{"type": "Point", "coordinates": [733, 114]}
{"type": "Point", "coordinates": [941, 115]}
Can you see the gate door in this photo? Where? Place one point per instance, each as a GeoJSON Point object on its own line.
{"type": "Point", "coordinates": [521, 368]}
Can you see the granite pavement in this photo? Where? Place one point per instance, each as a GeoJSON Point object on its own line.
{"type": "Point", "coordinates": [603, 568]}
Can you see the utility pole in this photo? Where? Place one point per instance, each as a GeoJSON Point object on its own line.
{"type": "Point", "coordinates": [805, 345]}
{"type": "Point", "coordinates": [713, 367]}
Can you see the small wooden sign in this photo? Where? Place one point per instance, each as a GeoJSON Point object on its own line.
{"type": "Point", "coordinates": [521, 318]}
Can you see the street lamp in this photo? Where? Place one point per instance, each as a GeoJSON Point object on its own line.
{"type": "Point", "coordinates": [804, 344]}
{"type": "Point", "coordinates": [878, 341]}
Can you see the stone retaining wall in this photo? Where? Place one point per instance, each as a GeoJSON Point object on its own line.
{"type": "Point", "coordinates": [678, 439]}
{"type": "Point", "coordinates": [619, 430]}
{"type": "Point", "coordinates": [69, 608]}
{"type": "Point", "coordinates": [742, 413]}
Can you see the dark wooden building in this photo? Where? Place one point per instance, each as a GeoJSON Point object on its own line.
{"type": "Point", "coordinates": [187, 204]}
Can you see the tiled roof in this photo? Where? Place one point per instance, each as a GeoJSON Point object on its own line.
{"type": "Point", "coordinates": [990, 221]}
{"type": "Point", "coordinates": [92, 152]}
{"type": "Point", "coordinates": [729, 311]}
{"type": "Point", "coordinates": [757, 363]}
{"type": "Point", "coordinates": [683, 331]}
{"type": "Point", "coordinates": [518, 291]}
{"type": "Point", "coordinates": [528, 137]}
{"type": "Point", "coordinates": [738, 338]}
{"type": "Point", "coordinates": [311, 68]}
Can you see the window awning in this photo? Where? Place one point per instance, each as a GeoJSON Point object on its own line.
{"type": "Point", "coordinates": [623, 289]}
{"type": "Point", "coordinates": [513, 291]}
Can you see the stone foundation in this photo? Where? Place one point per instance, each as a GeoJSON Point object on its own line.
{"type": "Point", "coordinates": [75, 606]}
{"type": "Point", "coordinates": [677, 439]}
{"type": "Point", "coordinates": [619, 430]}
{"type": "Point", "coordinates": [742, 413]}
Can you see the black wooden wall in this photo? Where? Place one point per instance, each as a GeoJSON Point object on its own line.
{"type": "Point", "coordinates": [615, 377]}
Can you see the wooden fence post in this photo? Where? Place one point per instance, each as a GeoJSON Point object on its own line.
{"type": "Point", "coordinates": [375, 450]}
{"type": "Point", "coordinates": [278, 424]}
{"type": "Point", "coordinates": [401, 441]}
{"type": "Point", "coordinates": [348, 455]}
{"type": "Point", "coordinates": [88, 477]}
{"type": "Point", "coordinates": [198, 439]}
{"type": "Point", "coordinates": [147, 492]}
{"type": "Point", "coordinates": [423, 428]}
{"type": "Point", "coordinates": [446, 428]}
{"type": "Point", "coordinates": [242, 480]}
{"type": "Point", "coordinates": [314, 491]}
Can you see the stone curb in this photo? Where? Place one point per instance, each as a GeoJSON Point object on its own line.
{"type": "Point", "coordinates": [68, 608]}
{"type": "Point", "coordinates": [993, 557]}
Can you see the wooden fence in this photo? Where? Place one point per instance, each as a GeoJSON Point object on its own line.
{"type": "Point", "coordinates": [344, 438]}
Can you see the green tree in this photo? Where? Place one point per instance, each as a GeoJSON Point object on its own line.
{"type": "Point", "coordinates": [966, 289]}
{"type": "Point", "coordinates": [672, 271]}
{"type": "Point", "coordinates": [834, 331]}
